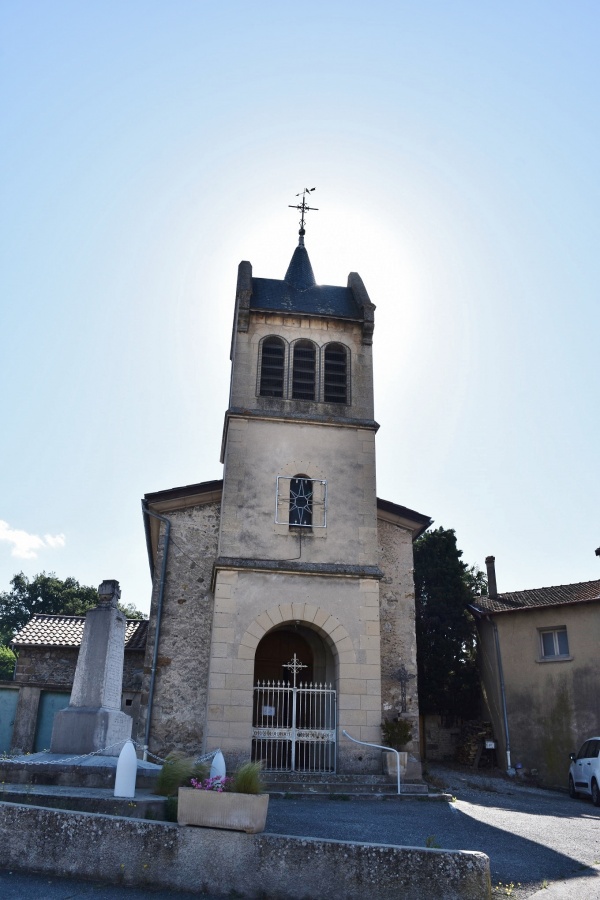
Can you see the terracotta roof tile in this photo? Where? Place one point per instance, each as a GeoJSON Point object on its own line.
{"type": "Point", "coordinates": [559, 595]}
{"type": "Point", "coordinates": [67, 631]}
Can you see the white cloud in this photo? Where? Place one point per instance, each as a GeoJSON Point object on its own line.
{"type": "Point", "coordinates": [27, 546]}
{"type": "Point", "coordinates": [55, 540]}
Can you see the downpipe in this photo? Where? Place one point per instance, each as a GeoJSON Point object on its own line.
{"type": "Point", "coordinates": [509, 768]}
{"type": "Point", "coordinates": [159, 606]}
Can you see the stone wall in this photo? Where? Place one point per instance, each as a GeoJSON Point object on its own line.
{"type": "Point", "coordinates": [342, 612]}
{"type": "Point", "coordinates": [56, 666]}
{"type": "Point", "coordinates": [320, 330]}
{"type": "Point", "coordinates": [441, 741]}
{"type": "Point", "coordinates": [179, 708]}
{"type": "Point", "coordinates": [397, 615]}
{"type": "Point", "coordinates": [258, 451]}
{"type": "Point", "coordinates": [46, 665]}
{"type": "Point", "coordinates": [224, 863]}
{"type": "Point", "coordinates": [52, 669]}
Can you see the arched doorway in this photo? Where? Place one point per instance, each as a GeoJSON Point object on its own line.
{"type": "Point", "coordinates": [275, 650]}
{"type": "Point", "coordinates": [294, 714]}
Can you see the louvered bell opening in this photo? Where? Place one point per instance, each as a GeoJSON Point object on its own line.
{"type": "Point", "coordinates": [303, 380]}
{"type": "Point", "coordinates": [335, 374]}
{"type": "Point", "coordinates": [271, 370]}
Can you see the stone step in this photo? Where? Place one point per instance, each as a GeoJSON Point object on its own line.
{"type": "Point", "coordinates": [334, 791]}
{"type": "Point", "coordinates": [63, 771]}
{"type": "Point", "coordinates": [333, 778]}
{"type": "Point", "coordinates": [305, 784]}
{"type": "Point", "coordinates": [145, 805]}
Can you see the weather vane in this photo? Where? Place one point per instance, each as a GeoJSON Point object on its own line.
{"type": "Point", "coordinates": [304, 208]}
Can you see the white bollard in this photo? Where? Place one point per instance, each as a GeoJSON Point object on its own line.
{"type": "Point", "coordinates": [126, 771]}
{"type": "Point", "coordinates": [217, 769]}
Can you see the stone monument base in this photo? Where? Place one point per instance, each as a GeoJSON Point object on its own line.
{"type": "Point", "coordinates": [80, 729]}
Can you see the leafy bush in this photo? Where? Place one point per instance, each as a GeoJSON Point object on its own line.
{"type": "Point", "coordinates": [178, 771]}
{"type": "Point", "coordinates": [396, 733]}
{"type": "Point", "coordinates": [7, 662]}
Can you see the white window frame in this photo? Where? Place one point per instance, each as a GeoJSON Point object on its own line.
{"type": "Point", "coordinates": [554, 632]}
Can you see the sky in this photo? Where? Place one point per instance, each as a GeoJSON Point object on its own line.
{"type": "Point", "coordinates": [148, 147]}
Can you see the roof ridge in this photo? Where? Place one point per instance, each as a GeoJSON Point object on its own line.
{"type": "Point", "coordinates": [550, 587]}
{"type": "Point", "coordinates": [68, 616]}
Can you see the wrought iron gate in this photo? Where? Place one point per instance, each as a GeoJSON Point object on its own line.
{"type": "Point", "coordinates": [294, 727]}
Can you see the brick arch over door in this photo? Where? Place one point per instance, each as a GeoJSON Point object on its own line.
{"type": "Point", "coordinates": [327, 626]}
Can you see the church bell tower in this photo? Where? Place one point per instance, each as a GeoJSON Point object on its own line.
{"type": "Point", "coordinates": [296, 578]}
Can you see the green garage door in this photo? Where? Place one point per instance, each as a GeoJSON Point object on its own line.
{"type": "Point", "coordinates": [50, 703]}
{"type": "Point", "coordinates": [8, 709]}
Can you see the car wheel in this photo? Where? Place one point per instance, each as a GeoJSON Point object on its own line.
{"type": "Point", "coordinates": [572, 792]}
{"type": "Point", "coordinates": [595, 793]}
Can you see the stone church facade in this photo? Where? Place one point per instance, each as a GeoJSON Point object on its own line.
{"type": "Point", "coordinates": [289, 572]}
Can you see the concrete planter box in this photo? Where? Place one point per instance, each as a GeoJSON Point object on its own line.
{"type": "Point", "coordinates": [211, 809]}
{"type": "Point", "coordinates": [389, 763]}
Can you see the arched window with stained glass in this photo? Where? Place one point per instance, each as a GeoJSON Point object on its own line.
{"type": "Point", "coordinates": [301, 501]}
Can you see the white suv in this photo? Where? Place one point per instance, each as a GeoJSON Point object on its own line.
{"type": "Point", "coordinates": [584, 772]}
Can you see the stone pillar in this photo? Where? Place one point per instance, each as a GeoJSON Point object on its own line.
{"type": "Point", "coordinates": [93, 720]}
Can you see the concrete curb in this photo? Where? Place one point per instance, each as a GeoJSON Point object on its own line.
{"type": "Point", "coordinates": [135, 852]}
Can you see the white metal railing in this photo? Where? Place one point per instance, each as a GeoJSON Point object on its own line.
{"type": "Point", "coordinates": [379, 747]}
{"type": "Point", "coordinates": [294, 727]}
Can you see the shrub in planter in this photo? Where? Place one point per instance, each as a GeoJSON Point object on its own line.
{"type": "Point", "coordinates": [235, 803]}
{"type": "Point", "coordinates": [396, 733]}
{"type": "Point", "coordinates": [178, 770]}
{"type": "Point", "coordinates": [248, 779]}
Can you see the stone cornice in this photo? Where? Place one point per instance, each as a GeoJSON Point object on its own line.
{"type": "Point", "coordinates": [291, 567]}
{"type": "Point", "coordinates": [236, 412]}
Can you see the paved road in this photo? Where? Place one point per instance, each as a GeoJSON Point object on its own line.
{"type": "Point", "coordinates": [531, 836]}
{"type": "Point", "coordinates": [19, 886]}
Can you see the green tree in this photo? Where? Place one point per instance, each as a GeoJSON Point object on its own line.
{"type": "Point", "coordinates": [7, 662]}
{"type": "Point", "coordinates": [446, 637]}
{"type": "Point", "coordinates": [48, 595]}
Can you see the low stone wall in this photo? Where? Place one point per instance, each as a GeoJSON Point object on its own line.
{"type": "Point", "coordinates": [440, 741]}
{"type": "Point", "coordinates": [134, 852]}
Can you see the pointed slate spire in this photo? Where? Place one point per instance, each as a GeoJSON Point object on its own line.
{"type": "Point", "coordinates": [300, 274]}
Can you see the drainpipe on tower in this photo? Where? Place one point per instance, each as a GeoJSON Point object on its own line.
{"type": "Point", "coordinates": [490, 563]}
{"type": "Point", "coordinates": [159, 605]}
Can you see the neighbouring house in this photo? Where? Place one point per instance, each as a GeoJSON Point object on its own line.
{"type": "Point", "coordinates": [47, 648]}
{"type": "Point", "coordinates": [288, 585]}
{"type": "Point", "coordinates": [539, 652]}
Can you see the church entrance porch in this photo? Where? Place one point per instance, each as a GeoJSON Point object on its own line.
{"type": "Point", "coordinates": [294, 717]}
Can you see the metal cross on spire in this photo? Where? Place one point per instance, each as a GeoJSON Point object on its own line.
{"type": "Point", "coordinates": [304, 208]}
{"type": "Point", "coordinates": [294, 665]}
